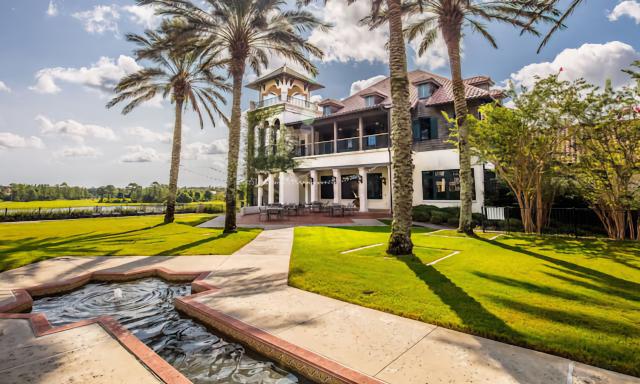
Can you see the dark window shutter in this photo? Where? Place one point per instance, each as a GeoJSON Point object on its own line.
{"type": "Point", "coordinates": [433, 127]}
{"type": "Point", "coordinates": [416, 130]}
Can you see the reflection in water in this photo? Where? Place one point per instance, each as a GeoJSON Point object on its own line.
{"type": "Point", "coordinates": [145, 307]}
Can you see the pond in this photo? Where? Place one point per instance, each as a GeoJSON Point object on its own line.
{"type": "Point", "coordinates": [145, 308]}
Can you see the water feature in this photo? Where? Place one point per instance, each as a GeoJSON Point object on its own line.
{"type": "Point", "coordinates": [145, 307]}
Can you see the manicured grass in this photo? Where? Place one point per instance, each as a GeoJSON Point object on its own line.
{"type": "Point", "coordinates": [28, 242]}
{"type": "Point", "coordinates": [574, 298]}
{"type": "Point", "coordinates": [77, 203]}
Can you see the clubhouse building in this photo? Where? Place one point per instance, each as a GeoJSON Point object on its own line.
{"type": "Point", "coordinates": [341, 148]}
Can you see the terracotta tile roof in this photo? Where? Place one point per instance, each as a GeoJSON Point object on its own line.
{"type": "Point", "coordinates": [443, 95]}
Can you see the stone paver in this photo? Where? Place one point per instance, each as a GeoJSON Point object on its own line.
{"type": "Point", "coordinates": [85, 354]}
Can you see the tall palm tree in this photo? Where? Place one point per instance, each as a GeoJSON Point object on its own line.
{"type": "Point", "coordinates": [183, 71]}
{"type": "Point", "coordinates": [546, 7]}
{"type": "Point", "coordinates": [249, 31]}
{"type": "Point", "coordinates": [449, 18]}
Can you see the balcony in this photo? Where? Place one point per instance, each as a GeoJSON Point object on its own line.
{"type": "Point", "coordinates": [351, 144]}
{"type": "Point", "coordinates": [268, 102]}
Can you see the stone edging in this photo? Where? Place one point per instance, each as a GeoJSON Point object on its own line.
{"type": "Point", "coordinates": [309, 364]}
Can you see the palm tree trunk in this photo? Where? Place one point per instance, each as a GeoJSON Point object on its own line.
{"type": "Point", "coordinates": [451, 36]}
{"type": "Point", "coordinates": [175, 164]}
{"type": "Point", "coordinates": [237, 72]}
{"type": "Point", "coordinates": [402, 163]}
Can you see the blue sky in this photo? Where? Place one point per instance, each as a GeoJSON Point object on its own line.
{"type": "Point", "coordinates": [58, 58]}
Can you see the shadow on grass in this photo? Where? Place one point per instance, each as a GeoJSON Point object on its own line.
{"type": "Point", "coordinates": [193, 244]}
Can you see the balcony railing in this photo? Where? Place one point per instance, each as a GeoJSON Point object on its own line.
{"type": "Point", "coordinates": [380, 140]}
{"type": "Point", "coordinates": [323, 147]}
{"type": "Point", "coordinates": [348, 145]}
{"type": "Point", "coordinates": [302, 103]}
{"type": "Point", "coordinates": [266, 102]}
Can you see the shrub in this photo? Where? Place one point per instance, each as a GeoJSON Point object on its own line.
{"type": "Point", "coordinates": [421, 213]}
{"type": "Point", "coordinates": [453, 221]}
{"type": "Point", "coordinates": [439, 217]}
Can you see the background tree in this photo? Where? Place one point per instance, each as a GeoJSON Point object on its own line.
{"type": "Point", "coordinates": [183, 71]}
{"type": "Point", "coordinates": [449, 18]}
{"type": "Point", "coordinates": [248, 32]}
{"type": "Point", "coordinates": [607, 166]}
{"type": "Point", "coordinates": [528, 143]}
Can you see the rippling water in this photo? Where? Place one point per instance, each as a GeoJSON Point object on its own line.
{"type": "Point", "coordinates": [146, 309]}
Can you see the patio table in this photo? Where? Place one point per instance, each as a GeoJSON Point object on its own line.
{"type": "Point", "coordinates": [277, 211]}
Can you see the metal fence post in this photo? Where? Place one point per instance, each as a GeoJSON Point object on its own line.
{"type": "Point", "coordinates": [508, 217]}
{"type": "Point", "coordinates": [484, 212]}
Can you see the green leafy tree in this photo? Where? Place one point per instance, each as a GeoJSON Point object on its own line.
{"type": "Point", "coordinates": [183, 72]}
{"type": "Point", "coordinates": [247, 32]}
{"type": "Point", "coordinates": [449, 18]}
{"type": "Point", "coordinates": [528, 144]}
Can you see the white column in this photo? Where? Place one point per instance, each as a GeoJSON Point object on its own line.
{"type": "Point", "coordinates": [337, 187]}
{"type": "Point", "coordinates": [306, 192]}
{"type": "Point", "coordinates": [335, 137]}
{"type": "Point", "coordinates": [362, 190]}
{"type": "Point", "coordinates": [390, 187]}
{"type": "Point", "coordinates": [260, 189]}
{"type": "Point", "coordinates": [314, 185]}
{"type": "Point", "coordinates": [281, 184]}
{"type": "Point", "coordinates": [272, 188]}
{"type": "Point", "coordinates": [360, 133]}
{"type": "Point", "coordinates": [312, 151]}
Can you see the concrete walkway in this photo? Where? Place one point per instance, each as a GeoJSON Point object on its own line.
{"type": "Point", "coordinates": [388, 347]}
{"type": "Point", "coordinates": [254, 290]}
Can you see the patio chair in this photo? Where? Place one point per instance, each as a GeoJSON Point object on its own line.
{"type": "Point", "coordinates": [262, 211]}
{"type": "Point", "coordinates": [351, 209]}
{"type": "Point", "coordinates": [336, 209]}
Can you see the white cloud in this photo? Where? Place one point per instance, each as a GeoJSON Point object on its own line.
{"type": "Point", "coordinates": [199, 150]}
{"type": "Point", "coordinates": [436, 55]}
{"type": "Point", "coordinates": [140, 154]}
{"type": "Point", "coordinates": [630, 8]}
{"type": "Point", "coordinates": [10, 140]}
{"type": "Point", "coordinates": [316, 98]}
{"type": "Point", "coordinates": [594, 62]}
{"type": "Point", "coordinates": [75, 130]}
{"type": "Point", "coordinates": [103, 75]}
{"type": "Point", "coordinates": [4, 87]}
{"type": "Point", "coordinates": [143, 15]}
{"type": "Point", "coordinates": [148, 135]}
{"type": "Point", "coordinates": [79, 151]}
{"type": "Point", "coordinates": [348, 40]}
{"type": "Point", "coordinates": [52, 9]}
{"type": "Point", "coordinates": [100, 19]}
{"type": "Point", "coordinates": [359, 85]}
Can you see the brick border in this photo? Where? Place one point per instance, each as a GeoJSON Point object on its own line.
{"type": "Point", "coordinates": [307, 363]}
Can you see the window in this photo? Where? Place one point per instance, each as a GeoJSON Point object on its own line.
{"type": "Point", "coordinates": [424, 91]}
{"type": "Point", "coordinates": [326, 110]}
{"type": "Point", "coordinates": [370, 101]}
{"type": "Point", "coordinates": [425, 128]}
{"type": "Point", "coordinates": [443, 185]}
{"type": "Point", "coordinates": [374, 186]}
{"type": "Point", "coordinates": [326, 187]}
{"type": "Point", "coordinates": [349, 188]}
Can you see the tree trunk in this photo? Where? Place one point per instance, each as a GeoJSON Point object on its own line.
{"type": "Point", "coordinates": [402, 163]}
{"type": "Point", "coordinates": [451, 36]}
{"type": "Point", "coordinates": [175, 163]}
{"type": "Point", "coordinates": [237, 73]}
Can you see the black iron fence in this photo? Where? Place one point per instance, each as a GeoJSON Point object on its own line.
{"type": "Point", "coordinates": [558, 221]}
{"type": "Point", "coordinates": [59, 213]}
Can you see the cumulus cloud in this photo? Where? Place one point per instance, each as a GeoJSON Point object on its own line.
{"type": "Point", "coordinates": [199, 150]}
{"type": "Point", "coordinates": [4, 87]}
{"type": "Point", "coordinates": [148, 135]}
{"type": "Point", "coordinates": [75, 130]}
{"type": "Point", "coordinates": [316, 98]}
{"type": "Point", "coordinates": [359, 85]}
{"type": "Point", "coordinates": [435, 57]}
{"type": "Point", "coordinates": [103, 75]}
{"type": "Point", "coordinates": [143, 15]}
{"type": "Point", "coordinates": [52, 9]}
{"type": "Point", "coordinates": [594, 62]}
{"type": "Point", "coordinates": [100, 19]}
{"type": "Point", "coordinates": [348, 40]}
{"type": "Point", "coordinates": [79, 151]}
{"type": "Point", "coordinates": [630, 8]}
{"type": "Point", "coordinates": [10, 140]}
{"type": "Point", "coordinates": [140, 154]}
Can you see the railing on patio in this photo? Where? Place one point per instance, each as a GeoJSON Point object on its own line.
{"type": "Point", "coordinates": [303, 150]}
{"type": "Point", "coordinates": [380, 140]}
{"type": "Point", "coordinates": [302, 103]}
{"type": "Point", "coordinates": [349, 144]}
{"type": "Point", "coordinates": [267, 102]}
{"type": "Point", "coordinates": [323, 147]}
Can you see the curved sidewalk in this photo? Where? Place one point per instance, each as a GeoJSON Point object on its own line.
{"type": "Point", "coordinates": [389, 348]}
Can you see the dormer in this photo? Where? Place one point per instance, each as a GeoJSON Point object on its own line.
{"type": "Point", "coordinates": [373, 98]}
{"type": "Point", "coordinates": [330, 106]}
{"type": "Point", "coordinates": [482, 82]}
{"type": "Point", "coordinates": [425, 88]}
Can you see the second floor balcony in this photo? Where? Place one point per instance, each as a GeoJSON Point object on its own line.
{"type": "Point", "coordinates": [291, 100]}
{"type": "Point", "coordinates": [350, 144]}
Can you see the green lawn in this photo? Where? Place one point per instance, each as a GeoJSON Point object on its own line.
{"type": "Point", "coordinates": [76, 203]}
{"type": "Point", "coordinates": [27, 242]}
{"type": "Point", "coordinates": [574, 298]}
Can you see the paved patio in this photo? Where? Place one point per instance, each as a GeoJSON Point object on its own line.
{"type": "Point", "coordinates": [310, 219]}
{"type": "Point", "coordinates": [386, 347]}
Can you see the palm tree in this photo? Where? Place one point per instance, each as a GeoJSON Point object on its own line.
{"type": "Point", "coordinates": [184, 71]}
{"type": "Point", "coordinates": [543, 8]}
{"type": "Point", "coordinates": [249, 31]}
{"type": "Point", "coordinates": [449, 17]}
